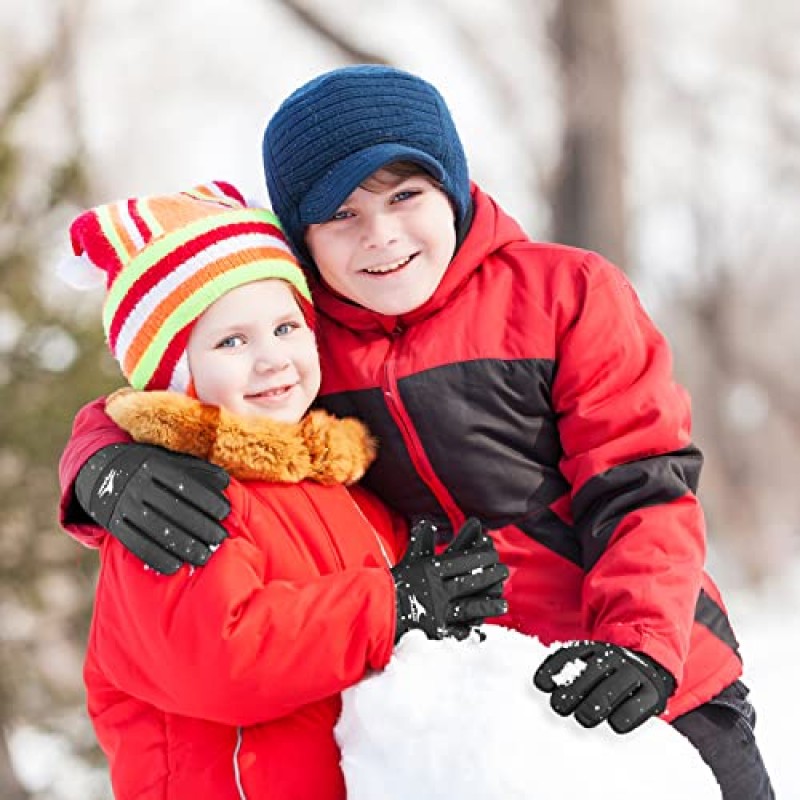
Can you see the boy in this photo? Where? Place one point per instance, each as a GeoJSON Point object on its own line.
{"type": "Point", "coordinates": [224, 682]}
{"type": "Point", "coordinates": [515, 381]}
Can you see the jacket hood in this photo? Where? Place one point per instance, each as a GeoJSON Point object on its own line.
{"type": "Point", "coordinates": [491, 230]}
{"type": "Point", "coordinates": [320, 447]}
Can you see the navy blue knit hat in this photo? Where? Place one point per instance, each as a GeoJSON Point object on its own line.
{"type": "Point", "coordinates": [332, 133]}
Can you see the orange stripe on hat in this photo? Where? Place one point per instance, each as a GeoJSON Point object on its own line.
{"type": "Point", "coordinates": [187, 289]}
{"type": "Point", "coordinates": [121, 230]}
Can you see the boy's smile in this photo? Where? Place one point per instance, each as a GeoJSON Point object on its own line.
{"type": "Point", "coordinates": [384, 270]}
{"type": "Point", "coordinates": [389, 245]}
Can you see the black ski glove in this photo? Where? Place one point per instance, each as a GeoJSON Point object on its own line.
{"type": "Point", "coordinates": [623, 686]}
{"type": "Point", "coordinates": [444, 595]}
{"type": "Point", "coordinates": [164, 507]}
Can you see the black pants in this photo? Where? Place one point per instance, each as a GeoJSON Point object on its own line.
{"type": "Point", "coordinates": [722, 730]}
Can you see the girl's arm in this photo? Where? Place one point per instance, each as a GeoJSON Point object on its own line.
{"type": "Point", "coordinates": [228, 642]}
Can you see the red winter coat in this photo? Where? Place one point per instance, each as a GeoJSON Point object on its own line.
{"type": "Point", "coordinates": [224, 682]}
{"type": "Point", "coordinates": [533, 392]}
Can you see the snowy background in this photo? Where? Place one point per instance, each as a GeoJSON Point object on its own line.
{"type": "Point", "coordinates": [156, 95]}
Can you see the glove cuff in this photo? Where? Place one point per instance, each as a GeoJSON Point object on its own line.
{"type": "Point", "coordinates": [662, 679]}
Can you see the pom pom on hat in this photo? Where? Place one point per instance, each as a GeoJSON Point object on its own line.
{"type": "Point", "coordinates": [165, 259]}
{"type": "Point", "coordinates": [80, 273]}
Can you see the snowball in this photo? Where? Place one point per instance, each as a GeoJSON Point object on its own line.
{"type": "Point", "coordinates": [463, 720]}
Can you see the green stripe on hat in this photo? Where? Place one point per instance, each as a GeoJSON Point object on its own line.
{"type": "Point", "coordinates": [143, 207]}
{"type": "Point", "coordinates": [109, 228]}
{"type": "Point", "coordinates": [160, 248]}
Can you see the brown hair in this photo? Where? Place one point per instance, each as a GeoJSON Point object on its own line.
{"type": "Point", "coordinates": [399, 171]}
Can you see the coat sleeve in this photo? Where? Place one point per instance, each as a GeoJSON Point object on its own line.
{"type": "Point", "coordinates": [92, 430]}
{"type": "Point", "coordinates": [627, 453]}
{"type": "Point", "coordinates": [229, 644]}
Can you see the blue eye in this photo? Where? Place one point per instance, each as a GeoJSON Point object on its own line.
{"type": "Point", "coordinates": [340, 215]}
{"type": "Point", "coordinates": [285, 328]}
{"type": "Point", "coordinates": [235, 340]}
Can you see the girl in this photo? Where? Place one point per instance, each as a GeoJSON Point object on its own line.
{"type": "Point", "coordinates": [224, 682]}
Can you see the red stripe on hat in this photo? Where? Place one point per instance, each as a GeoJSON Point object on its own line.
{"type": "Point", "coordinates": [193, 286]}
{"type": "Point", "coordinates": [173, 260]}
{"type": "Point", "coordinates": [229, 190]}
{"type": "Point", "coordinates": [141, 225]}
{"type": "Point", "coordinates": [88, 237]}
{"type": "Point", "coordinates": [166, 365]}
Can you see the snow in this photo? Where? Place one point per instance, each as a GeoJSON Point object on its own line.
{"type": "Point", "coordinates": [194, 108]}
{"type": "Point", "coordinates": [765, 623]}
{"type": "Point", "coordinates": [462, 719]}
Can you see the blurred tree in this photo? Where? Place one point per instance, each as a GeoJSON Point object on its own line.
{"type": "Point", "coordinates": [318, 25]}
{"type": "Point", "coordinates": [729, 331]}
{"type": "Point", "coordinates": [728, 307]}
{"type": "Point", "coordinates": [587, 193]}
{"type": "Point", "coordinates": [50, 362]}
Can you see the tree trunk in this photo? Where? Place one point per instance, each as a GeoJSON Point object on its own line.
{"type": "Point", "coordinates": [10, 787]}
{"type": "Point", "coordinates": [588, 198]}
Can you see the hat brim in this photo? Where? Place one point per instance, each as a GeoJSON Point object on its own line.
{"type": "Point", "coordinates": [330, 191]}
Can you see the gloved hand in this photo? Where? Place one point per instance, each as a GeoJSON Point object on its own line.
{"type": "Point", "coordinates": [445, 594]}
{"type": "Point", "coordinates": [164, 507]}
{"type": "Point", "coordinates": [621, 685]}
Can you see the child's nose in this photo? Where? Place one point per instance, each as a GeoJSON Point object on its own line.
{"type": "Point", "coordinates": [380, 230]}
{"type": "Point", "coordinates": [271, 361]}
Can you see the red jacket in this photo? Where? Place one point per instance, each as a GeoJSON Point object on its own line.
{"type": "Point", "coordinates": [533, 392]}
{"type": "Point", "coordinates": [224, 681]}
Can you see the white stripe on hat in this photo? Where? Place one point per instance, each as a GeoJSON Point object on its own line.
{"type": "Point", "coordinates": [181, 376]}
{"type": "Point", "coordinates": [129, 224]}
{"type": "Point", "coordinates": [163, 288]}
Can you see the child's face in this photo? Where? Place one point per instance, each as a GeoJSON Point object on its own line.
{"type": "Point", "coordinates": [252, 352]}
{"type": "Point", "coordinates": [388, 247]}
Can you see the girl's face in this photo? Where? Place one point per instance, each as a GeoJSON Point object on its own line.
{"type": "Point", "coordinates": [389, 245]}
{"type": "Point", "coordinates": [252, 352]}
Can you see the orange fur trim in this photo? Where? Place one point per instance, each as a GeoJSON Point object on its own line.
{"type": "Point", "coordinates": [320, 447]}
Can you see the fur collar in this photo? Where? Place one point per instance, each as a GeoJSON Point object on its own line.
{"type": "Point", "coordinates": [320, 447]}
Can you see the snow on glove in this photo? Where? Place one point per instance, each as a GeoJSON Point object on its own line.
{"type": "Point", "coordinates": [445, 594]}
{"type": "Point", "coordinates": [623, 686]}
{"type": "Point", "coordinates": [164, 507]}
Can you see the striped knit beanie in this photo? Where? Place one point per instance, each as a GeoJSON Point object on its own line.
{"type": "Point", "coordinates": [332, 133]}
{"type": "Point", "coordinates": [165, 260]}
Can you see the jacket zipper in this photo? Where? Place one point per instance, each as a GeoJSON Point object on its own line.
{"type": "Point", "coordinates": [375, 534]}
{"type": "Point", "coordinates": [416, 452]}
{"type": "Point", "coordinates": [237, 775]}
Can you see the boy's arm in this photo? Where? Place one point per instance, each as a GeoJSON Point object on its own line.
{"type": "Point", "coordinates": [92, 430]}
{"type": "Point", "coordinates": [164, 507]}
{"type": "Point", "coordinates": [625, 431]}
{"type": "Point", "coordinates": [228, 643]}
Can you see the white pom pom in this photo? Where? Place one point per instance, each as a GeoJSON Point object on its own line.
{"type": "Point", "coordinates": [80, 273]}
{"type": "Point", "coordinates": [254, 202]}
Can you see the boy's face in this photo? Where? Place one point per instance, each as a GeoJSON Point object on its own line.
{"type": "Point", "coordinates": [253, 353]}
{"type": "Point", "coordinates": [387, 247]}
